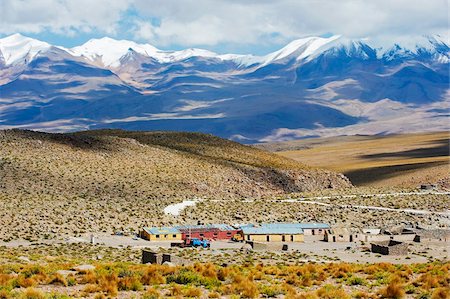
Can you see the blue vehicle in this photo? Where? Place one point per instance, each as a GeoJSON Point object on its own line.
{"type": "Point", "coordinates": [195, 242]}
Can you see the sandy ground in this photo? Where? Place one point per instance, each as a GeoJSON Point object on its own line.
{"type": "Point", "coordinates": [313, 249]}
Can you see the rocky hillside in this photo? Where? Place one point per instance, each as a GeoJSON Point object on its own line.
{"type": "Point", "coordinates": [110, 164]}
{"type": "Point", "coordinates": [57, 185]}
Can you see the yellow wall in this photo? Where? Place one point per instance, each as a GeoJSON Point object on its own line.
{"type": "Point", "coordinates": [165, 237]}
{"type": "Point", "coordinates": [274, 238]}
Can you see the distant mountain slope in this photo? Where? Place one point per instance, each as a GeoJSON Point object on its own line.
{"type": "Point", "coordinates": [314, 86]}
{"type": "Point", "coordinates": [402, 160]}
{"type": "Point", "coordinates": [148, 165]}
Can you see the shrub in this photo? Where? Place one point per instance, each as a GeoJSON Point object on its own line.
{"type": "Point", "coordinates": [130, 284]}
{"type": "Point", "coordinates": [175, 290]}
{"type": "Point", "coordinates": [192, 292]}
{"type": "Point", "coordinates": [441, 293]}
{"type": "Point", "coordinates": [151, 293]}
{"type": "Point", "coordinates": [213, 295]}
{"type": "Point", "coordinates": [329, 292]}
{"type": "Point", "coordinates": [25, 282]}
{"type": "Point", "coordinates": [91, 288]}
{"type": "Point", "coordinates": [185, 276]}
{"type": "Point", "coordinates": [4, 294]}
{"type": "Point", "coordinates": [209, 271]}
{"type": "Point", "coordinates": [355, 280]}
{"type": "Point", "coordinates": [109, 284]}
{"type": "Point", "coordinates": [89, 277]}
{"type": "Point", "coordinates": [59, 279]}
{"type": "Point", "coordinates": [31, 293]}
{"type": "Point", "coordinates": [393, 290]}
{"type": "Point", "coordinates": [223, 273]}
{"type": "Point", "coordinates": [271, 291]}
{"type": "Point", "coordinates": [244, 287]}
{"type": "Point", "coordinates": [428, 281]}
{"type": "Point", "coordinates": [152, 276]}
{"type": "Point", "coordinates": [5, 279]}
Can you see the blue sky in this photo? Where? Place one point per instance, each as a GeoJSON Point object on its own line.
{"type": "Point", "coordinates": [223, 26]}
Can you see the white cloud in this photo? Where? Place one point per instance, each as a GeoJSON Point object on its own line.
{"type": "Point", "coordinates": [216, 22]}
{"type": "Point", "coordinates": [61, 16]}
{"type": "Point", "coordinates": [203, 22]}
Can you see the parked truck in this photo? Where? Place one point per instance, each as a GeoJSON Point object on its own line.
{"type": "Point", "coordinates": [194, 242]}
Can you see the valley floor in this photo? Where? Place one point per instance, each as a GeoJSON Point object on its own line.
{"type": "Point", "coordinates": [403, 160]}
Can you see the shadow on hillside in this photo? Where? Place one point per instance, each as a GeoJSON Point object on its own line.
{"type": "Point", "coordinates": [268, 175]}
{"type": "Point", "coordinates": [194, 145]}
{"type": "Point", "coordinates": [84, 142]}
{"type": "Point", "coordinates": [366, 176]}
{"type": "Point", "coordinates": [441, 150]}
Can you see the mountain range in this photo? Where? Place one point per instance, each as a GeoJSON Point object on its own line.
{"type": "Point", "coordinates": [315, 86]}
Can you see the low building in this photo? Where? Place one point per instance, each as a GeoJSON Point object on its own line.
{"type": "Point", "coordinates": [273, 232]}
{"type": "Point", "coordinates": [314, 228]}
{"type": "Point", "coordinates": [371, 231]}
{"type": "Point", "coordinates": [160, 234]}
{"type": "Point", "coordinates": [151, 257]}
{"type": "Point", "coordinates": [208, 231]}
{"type": "Point", "coordinates": [390, 247]}
{"type": "Point", "coordinates": [343, 234]}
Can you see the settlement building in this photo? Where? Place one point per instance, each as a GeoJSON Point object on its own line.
{"type": "Point", "coordinates": [341, 234]}
{"type": "Point", "coordinates": [208, 231]}
{"type": "Point", "coordinates": [273, 232]}
{"type": "Point", "coordinates": [314, 229]}
{"type": "Point", "coordinates": [161, 234]}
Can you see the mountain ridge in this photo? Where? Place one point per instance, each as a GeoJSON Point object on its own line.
{"type": "Point", "coordinates": [312, 87]}
{"type": "Point", "coordinates": [100, 47]}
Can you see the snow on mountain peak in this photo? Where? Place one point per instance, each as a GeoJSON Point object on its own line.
{"type": "Point", "coordinates": [109, 51]}
{"type": "Point", "coordinates": [303, 47]}
{"type": "Point", "coordinates": [17, 48]}
{"type": "Point", "coordinates": [300, 49]}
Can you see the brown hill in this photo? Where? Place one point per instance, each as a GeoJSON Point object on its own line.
{"type": "Point", "coordinates": [52, 185]}
{"type": "Point", "coordinates": [150, 165]}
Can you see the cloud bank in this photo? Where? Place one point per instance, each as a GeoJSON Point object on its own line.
{"type": "Point", "coordinates": [227, 22]}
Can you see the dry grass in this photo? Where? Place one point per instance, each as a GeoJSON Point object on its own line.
{"type": "Point", "coordinates": [328, 281]}
{"type": "Point", "coordinates": [106, 181]}
{"type": "Point", "coordinates": [398, 160]}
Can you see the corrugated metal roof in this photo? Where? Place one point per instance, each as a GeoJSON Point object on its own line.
{"type": "Point", "coordinates": [221, 226]}
{"type": "Point", "coordinates": [314, 225]}
{"type": "Point", "coordinates": [161, 230]}
{"type": "Point", "coordinates": [273, 229]}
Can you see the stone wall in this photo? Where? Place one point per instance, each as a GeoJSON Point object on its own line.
{"type": "Point", "coordinates": [390, 247]}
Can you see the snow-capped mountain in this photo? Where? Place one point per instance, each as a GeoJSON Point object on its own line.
{"type": "Point", "coordinates": [109, 52]}
{"type": "Point", "coordinates": [312, 86]}
{"type": "Point", "coordinates": [20, 49]}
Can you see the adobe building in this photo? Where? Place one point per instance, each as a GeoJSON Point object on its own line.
{"type": "Point", "coordinates": [342, 234]}
{"type": "Point", "coordinates": [273, 232]}
{"type": "Point", "coordinates": [208, 231]}
{"type": "Point", "coordinates": [314, 228]}
{"type": "Point", "coordinates": [160, 234]}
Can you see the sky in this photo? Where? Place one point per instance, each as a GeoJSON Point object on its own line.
{"type": "Point", "coordinates": [223, 26]}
